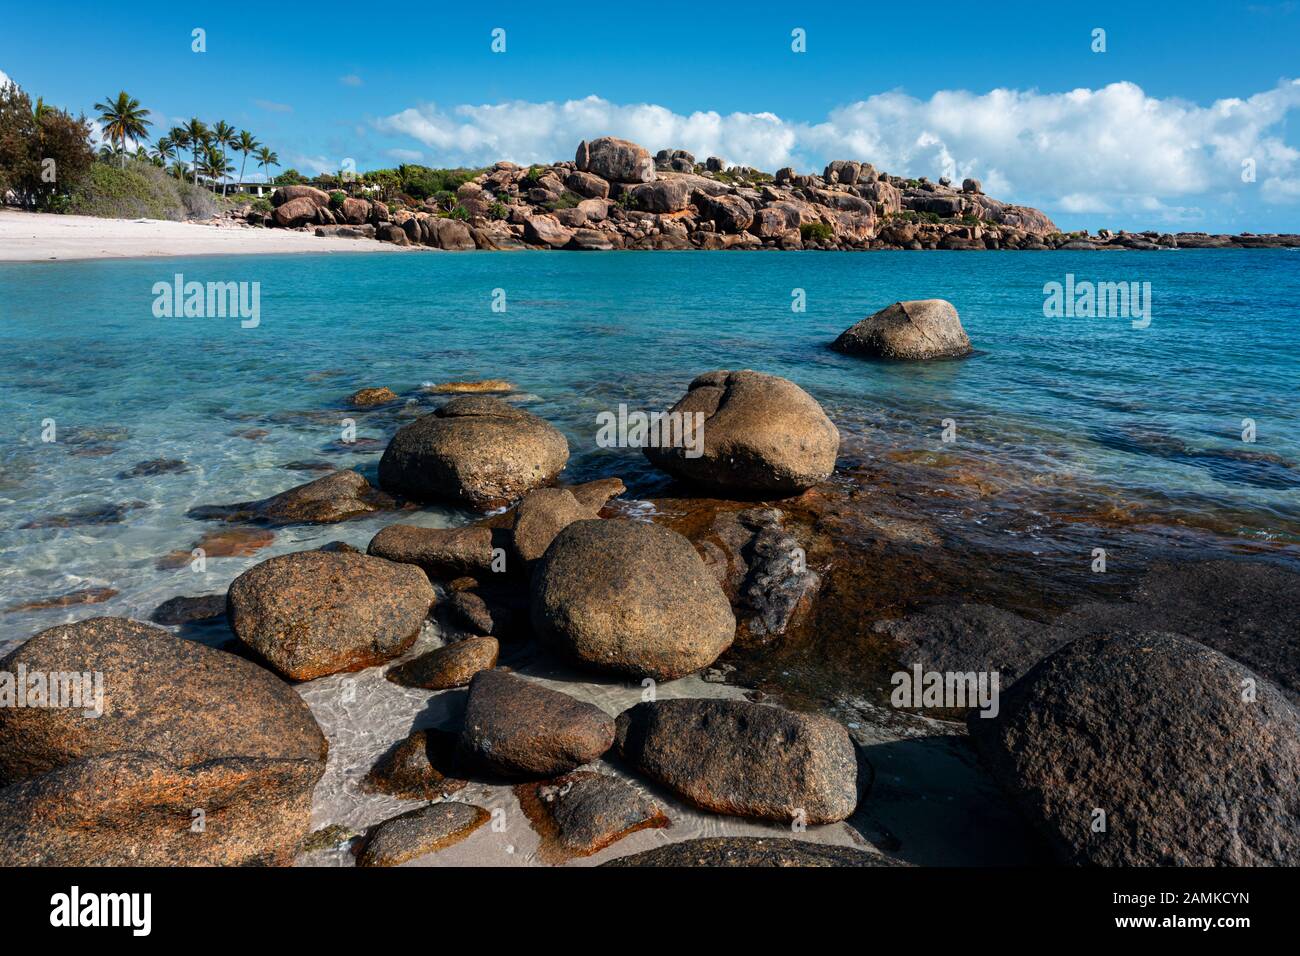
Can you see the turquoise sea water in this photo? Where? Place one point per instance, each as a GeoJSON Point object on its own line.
{"type": "Point", "coordinates": [1079, 411]}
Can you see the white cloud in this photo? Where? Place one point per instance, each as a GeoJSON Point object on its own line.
{"type": "Point", "coordinates": [4, 78]}
{"type": "Point", "coordinates": [405, 155]}
{"type": "Point", "coordinates": [350, 80]}
{"type": "Point", "coordinates": [272, 107]}
{"type": "Point", "coordinates": [1114, 148]}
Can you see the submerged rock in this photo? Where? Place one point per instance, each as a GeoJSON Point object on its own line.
{"type": "Point", "coordinates": [744, 759]}
{"type": "Point", "coordinates": [516, 727]}
{"type": "Point", "coordinates": [72, 598]}
{"type": "Point", "coordinates": [185, 610]}
{"type": "Point", "coordinates": [479, 386]}
{"type": "Point", "coordinates": [89, 515]}
{"type": "Point", "coordinates": [370, 397]}
{"type": "Point", "coordinates": [1149, 749]}
{"type": "Point", "coordinates": [752, 851]}
{"type": "Point", "coordinates": [155, 466]}
{"type": "Point", "coordinates": [182, 701]}
{"type": "Point", "coordinates": [475, 450]}
{"type": "Point", "coordinates": [333, 497]}
{"type": "Point", "coordinates": [421, 832]}
{"type": "Point", "coordinates": [963, 638]}
{"type": "Point", "coordinates": [583, 812]}
{"type": "Point", "coordinates": [450, 666]}
{"type": "Point", "coordinates": [313, 613]}
{"type": "Point", "coordinates": [630, 597]}
{"type": "Point", "coordinates": [417, 768]}
{"type": "Point", "coordinates": [760, 434]}
{"type": "Point", "coordinates": [921, 329]}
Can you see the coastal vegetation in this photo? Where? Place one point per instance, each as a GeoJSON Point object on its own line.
{"type": "Point", "coordinates": [52, 161]}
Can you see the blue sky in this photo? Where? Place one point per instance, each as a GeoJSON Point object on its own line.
{"type": "Point", "coordinates": [1152, 133]}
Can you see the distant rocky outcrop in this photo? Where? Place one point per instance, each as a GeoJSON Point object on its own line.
{"type": "Point", "coordinates": [615, 195]}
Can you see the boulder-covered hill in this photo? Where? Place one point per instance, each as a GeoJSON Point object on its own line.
{"type": "Point", "coordinates": [615, 195]}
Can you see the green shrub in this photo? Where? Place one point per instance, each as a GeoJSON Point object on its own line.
{"type": "Point", "coordinates": [818, 231]}
{"type": "Point", "coordinates": [140, 190]}
{"type": "Point", "coordinates": [336, 199]}
{"type": "Point", "coordinates": [458, 212]}
{"type": "Point", "coordinates": [498, 211]}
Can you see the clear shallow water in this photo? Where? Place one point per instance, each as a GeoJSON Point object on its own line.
{"type": "Point", "coordinates": [1082, 408]}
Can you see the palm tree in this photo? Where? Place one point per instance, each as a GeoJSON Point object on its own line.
{"type": "Point", "coordinates": [199, 137]}
{"type": "Point", "coordinates": [123, 119]}
{"type": "Point", "coordinates": [223, 136]}
{"type": "Point", "coordinates": [267, 158]}
{"type": "Point", "coordinates": [246, 144]}
{"type": "Point", "coordinates": [180, 170]}
{"type": "Point", "coordinates": [180, 137]}
{"type": "Point", "coordinates": [163, 151]}
{"type": "Point", "coordinates": [215, 166]}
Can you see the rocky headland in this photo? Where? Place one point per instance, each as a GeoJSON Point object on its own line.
{"type": "Point", "coordinates": [615, 195]}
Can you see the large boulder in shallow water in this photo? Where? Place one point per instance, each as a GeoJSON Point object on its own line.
{"type": "Point", "coordinates": [750, 760]}
{"type": "Point", "coordinates": [181, 700]}
{"type": "Point", "coordinates": [630, 597]}
{"type": "Point", "coordinates": [1194, 760]}
{"type": "Point", "coordinates": [475, 450]}
{"type": "Point", "coordinates": [314, 612]}
{"type": "Point", "coordinates": [516, 727]}
{"type": "Point", "coordinates": [617, 160]}
{"type": "Point", "coordinates": [441, 552]}
{"type": "Point", "coordinates": [761, 434]}
{"type": "Point", "coordinates": [921, 329]}
{"type": "Point", "coordinates": [334, 497]}
{"type": "Point", "coordinates": [130, 808]}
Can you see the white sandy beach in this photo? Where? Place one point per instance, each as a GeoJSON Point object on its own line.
{"type": "Point", "coordinates": [39, 237]}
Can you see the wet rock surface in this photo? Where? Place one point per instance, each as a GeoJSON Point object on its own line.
{"type": "Point", "coordinates": [744, 759]}
{"type": "Point", "coordinates": [632, 598]}
{"type": "Point", "coordinates": [514, 727]}
{"type": "Point", "coordinates": [475, 450]}
{"type": "Point", "coordinates": [314, 613]}
{"type": "Point", "coordinates": [583, 812]}
{"type": "Point", "coordinates": [420, 767]}
{"type": "Point", "coordinates": [761, 434]}
{"type": "Point", "coordinates": [1192, 758]}
{"type": "Point", "coordinates": [334, 497]}
{"type": "Point", "coordinates": [453, 665]}
{"type": "Point", "coordinates": [420, 832]}
{"type": "Point", "coordinates": [923, 329]}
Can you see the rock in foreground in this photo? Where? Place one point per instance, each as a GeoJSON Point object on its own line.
{"type": "Point", "coordinates": [921, 329]}
{"type": "Point", "coordinates": [420, 832]}
{"type": "Point", "coordinates": [1152, 731]}
{"type": "Point", "coordinates": [744, 759]}
{"type": "Point", "coordinates": [451, 666]}
{"type": "Point", "coordinates": [761, 435]}
{"type": "Point", "coordinates": [314, 613]}
{"type": "Point", "coordinates": [752, 851]}
{"type": "Point", "coordinates": [441, 552]}
{"type": "Point", "coordinates": [630, 597]}
{"type": "Point", "coordinates": [417, 768]}
{"type": "Point", "coordinates": [583, 812]}
{"type": "Point", "coordinates": [475, 450]}
{"type": "Point", "coordinates": [515, 727]}
{"type": "Point", "coordinates": [129, 808]}
{"type": "Point", "coordinates": [185, 702]}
